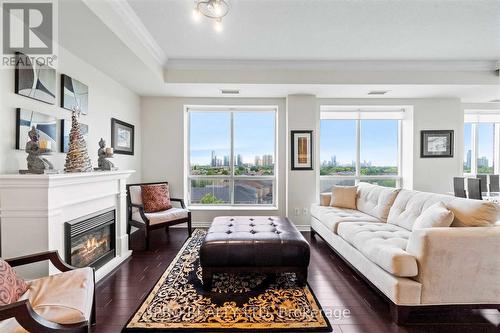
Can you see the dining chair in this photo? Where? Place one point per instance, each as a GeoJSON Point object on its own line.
{"type": "Point", "coordinates": [474, 188]}
{"type": "Point", "coordinates": [494, 183]}
{"type": "Point", "coordinates": [459, 187]}
{"type": "Point", "coordinates": [484, 182]}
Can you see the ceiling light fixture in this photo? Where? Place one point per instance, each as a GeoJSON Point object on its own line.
{"type": "Point", "coordinates": [212, 9]}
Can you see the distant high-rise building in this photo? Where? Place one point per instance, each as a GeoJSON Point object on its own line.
{"type": "Point", "coordinates": [226, 160]}
{"type": "Point", "coordinates": [267, 160]}
{"type": "Point", "coordinates": [469, 159]}
{"type": "Point", "coordinates": [258, 161]}
{"type": "Point", "coordinates": [334, 160]}
{"type": "Point", "coordinates": [482, 162]}
{"type": "Point", "coordinates": [239, 160]}
{"type": "Point", "coordinates": [213, 163]}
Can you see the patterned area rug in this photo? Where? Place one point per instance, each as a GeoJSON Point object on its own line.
{"type": "Point", "coordinates": [244, 302]}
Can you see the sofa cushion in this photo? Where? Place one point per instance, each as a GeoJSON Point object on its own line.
{"type": "Point", "coordinates": [64, 298]}
{"type": "Point", "coordinates": [156, 198]}
{"type": "Point", "coordinates": [332, 216]}
{"type": "Point", "coordinates": [375, 200]}
{"type": "Point", "coordinates": [162, 217]}
{"type": "Point", "coordinates": [344, 197]}
{"type": "Point", "coordinates": [382, 243]}
{"type": "Point", "coordinates": [437, 215]}
{"type": "Point", "coordinates": [468, 213]}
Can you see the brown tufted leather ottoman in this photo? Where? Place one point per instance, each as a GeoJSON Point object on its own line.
{"type": "Point", "coordinates": [242, 244]}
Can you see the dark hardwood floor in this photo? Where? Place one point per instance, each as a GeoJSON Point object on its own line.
{"type": "Point", "coordinates": [334, 283]}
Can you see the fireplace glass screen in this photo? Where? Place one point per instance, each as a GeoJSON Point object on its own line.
{"type": "Point", "coordinates": [90, 240]}
{"type": "Point", "coordinates": [87, 248]}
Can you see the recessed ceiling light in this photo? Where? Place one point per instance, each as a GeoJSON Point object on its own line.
{"type": "Point", "coordinates": [229, 91]}
{"type": "Point", "coordinates": [495, 100]}
{"type": "Point", "coordinates": [378, 92]}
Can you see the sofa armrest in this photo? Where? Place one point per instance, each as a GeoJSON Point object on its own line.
{"type": "Point", "coordinates": [457, 265]}
{"type": "Point", "coordinates": [180, 201]}
{"type": "Point", "coordinates": [33, 322]}
{"type": "Point", "coordinates": [52, 256]}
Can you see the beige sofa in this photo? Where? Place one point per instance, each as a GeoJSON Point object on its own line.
{"type": "Point", "coordinates": [457, 266]}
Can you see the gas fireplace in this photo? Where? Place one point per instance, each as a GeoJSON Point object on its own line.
{"type": "Point", "coordinates": [90, 240]}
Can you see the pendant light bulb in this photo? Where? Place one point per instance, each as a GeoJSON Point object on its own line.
{"type": "Point", "coordinates": [218, 25]}
{"type": "Point", "coordinates": [196, 14]}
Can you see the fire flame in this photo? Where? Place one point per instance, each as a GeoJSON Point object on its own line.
{"type": "Point", "coordinates": [91, 244]}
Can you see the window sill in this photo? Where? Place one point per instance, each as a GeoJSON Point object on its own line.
{"type": "Point", "coordinates": [239, 208]}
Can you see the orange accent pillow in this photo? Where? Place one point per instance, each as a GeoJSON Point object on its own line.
{"type": "Point", "coordinates": [156, 198]}
{"type": "Point", "coordinates": [11, 286]}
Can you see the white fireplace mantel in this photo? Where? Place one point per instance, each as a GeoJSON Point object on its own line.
{"type": "Point", "coordinates": [34, 208]}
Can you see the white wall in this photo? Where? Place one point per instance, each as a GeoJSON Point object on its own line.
{"type": "Point", "coordinates": [302, 114]}
{"type": "Point", "coordinates": [163, 147]}
{"type": "Point", "coordinates": [107, 99]}
{"type": "Point", "coordinates": [429, 174]}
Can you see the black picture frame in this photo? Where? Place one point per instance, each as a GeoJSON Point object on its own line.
{"type": "Point", "coordinates": [118, 148]}
{"type": "Point", "coordinates": [434, 148]}
{"type": "Point", "coordinates": [35, 81]}
{"type": "Point", "coordinates": [308, 145]}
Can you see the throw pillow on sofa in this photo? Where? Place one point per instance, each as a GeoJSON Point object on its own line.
{"type": "Point", "coordinates": [344, 196]}
{"type": "Point", "coordinates": [156, 198]}
{"type": "Point", "coordinates": [437, 215]}
{"type": "Point", "coordinates": [11, 286]}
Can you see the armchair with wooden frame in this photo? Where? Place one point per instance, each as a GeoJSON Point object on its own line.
{"type": "Point", "coordinates": [137, 217]}
{"type": "Point", "coordinates": [62, 316]}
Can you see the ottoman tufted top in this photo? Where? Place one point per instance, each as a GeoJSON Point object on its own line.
{"type": "Point", "coordinates": [253, 241]}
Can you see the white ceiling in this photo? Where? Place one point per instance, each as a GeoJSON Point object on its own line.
{"type": "Point", "coordinates": [289, 36]}
{"type": "Point", "coordinates": [329, 30]}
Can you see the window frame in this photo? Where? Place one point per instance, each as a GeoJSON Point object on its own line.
{"type": "Point", "coordinates": [231, 177]}
{"type": "Point", "coordinates": [358, 115]}
{"type": "Point", "coordinates": [474, 146]}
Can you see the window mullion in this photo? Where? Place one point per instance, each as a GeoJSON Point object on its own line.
{"type": "Point", "coordinates": [474, 145]}
{"type": "Point", "coordinates": [358, 149]}
{"type": "Point", "coordinates": [231, 159]}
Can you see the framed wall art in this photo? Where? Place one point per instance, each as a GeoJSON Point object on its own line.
{"type": "Point", "coordinates": [46, 126]}
{"type": "Point", "coordinates": [74, 94]}
{"type": "Point", "coordinates": [34, 80]}
{"type": "Point", "coordinates": [122, 137]}
{"type": "Point", "coordinates": [436, 143]}
{"type": "Point", "coordinates": [302, 150]}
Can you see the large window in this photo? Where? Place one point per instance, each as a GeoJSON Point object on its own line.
{"type": "Point", "coordinates": [231, 156]}
{"type": "Point", "coordinates": [360, 146]}
{"type": "Point", "coordinates": [481, 135]}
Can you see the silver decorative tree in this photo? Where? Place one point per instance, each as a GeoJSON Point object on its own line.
{"type": "Point", "coordinates": [77, 159]}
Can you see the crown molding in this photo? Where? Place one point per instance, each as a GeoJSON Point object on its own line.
{"type": "Point", "coordinates": [348, 65]}
{"type": "Point", "coordinates": [128, 15]}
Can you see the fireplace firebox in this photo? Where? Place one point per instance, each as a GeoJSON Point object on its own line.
{"type": "Point", "coordinates": [90, 240]}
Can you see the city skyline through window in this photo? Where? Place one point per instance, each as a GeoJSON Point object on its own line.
{"type": "Point", "coordinates": [232, 157]}
{"type": "Point", "coordinates": [359, 150]}
{"type": "Point", "coordinates": [479, 148]}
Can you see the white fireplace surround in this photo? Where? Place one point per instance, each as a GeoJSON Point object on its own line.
{"type": "Point", "coordinates": [34, 208]}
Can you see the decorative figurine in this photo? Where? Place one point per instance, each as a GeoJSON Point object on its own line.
{"type": "Point", "coordinates": [104, 153]}
{"type": "Point", "coordinates": [36, 164]}
{"type": "Point", "coordinates": [77, 159]}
